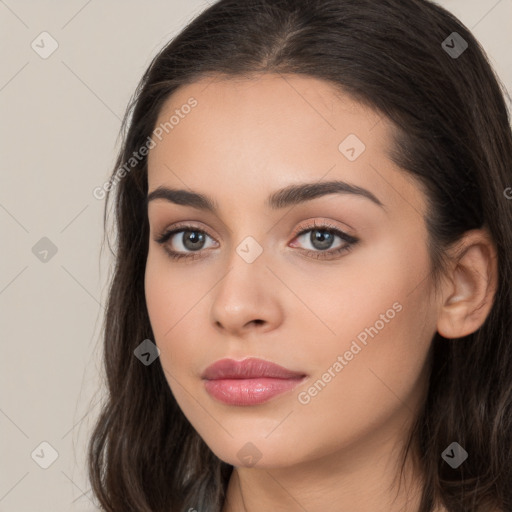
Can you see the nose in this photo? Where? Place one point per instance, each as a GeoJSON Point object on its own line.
{"type": "Point", "coordinates": [246, 298]}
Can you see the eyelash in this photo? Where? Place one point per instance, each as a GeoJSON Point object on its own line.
{"type": "Point", "coordinates": [332, 254]}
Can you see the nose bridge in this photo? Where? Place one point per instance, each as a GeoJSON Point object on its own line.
{"type": "Point", "coordinates": [249, 237]}
{"type": "Point", "coordinates": [245, 294]}
{"type": "Point", "coordinates": [245, 267]}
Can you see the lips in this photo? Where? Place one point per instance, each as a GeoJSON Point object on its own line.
{"type": "Point", "coordinates": [248, 369]}
{"type": "Point", "coordinates": [252, 381]}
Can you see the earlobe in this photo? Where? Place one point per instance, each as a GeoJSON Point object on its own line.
{"type": "Point", "coordinates": [469, 289]}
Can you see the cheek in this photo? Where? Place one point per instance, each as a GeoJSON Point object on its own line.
{"type": "Point", "coordinates": [169, 291]}
{"type": "Point", "coordinates": [175, 298]}
{"type": "Point", "coordinates": [377, 380]}
{"type": "Point", "coordinates": [368, 290]}
{"type": "Point", "coordinates": [370, 380]}
{"type": "Point", "coordinates": [384, 328]}
{"type": "Point", "coordinates": [161, 295]}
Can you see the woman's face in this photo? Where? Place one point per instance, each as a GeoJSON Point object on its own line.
{"type": "Point", "coordinates": [353, 317]}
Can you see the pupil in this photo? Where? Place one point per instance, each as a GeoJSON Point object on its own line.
{"type": "Point", "coordinates": [192, 241]}
{"type": "Point", "coordinates": [321, 239]}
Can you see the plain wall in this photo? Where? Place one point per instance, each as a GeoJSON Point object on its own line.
{"type": "Point", "coordinates": [60, 118]}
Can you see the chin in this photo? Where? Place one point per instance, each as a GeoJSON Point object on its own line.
{"type": "Point", "coordinates": [259, 453]}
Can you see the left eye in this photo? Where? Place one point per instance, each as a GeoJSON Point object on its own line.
{"type": "Point", "coordinates": [323, 238]}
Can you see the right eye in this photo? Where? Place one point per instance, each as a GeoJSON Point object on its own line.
{"type": "Point", "coordinates": [190, 239]}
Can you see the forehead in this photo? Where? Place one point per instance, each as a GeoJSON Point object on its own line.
{"type": "Point", "coordinates": [268, 131]}
{"type": "Point", "coordinates": [307, 106]}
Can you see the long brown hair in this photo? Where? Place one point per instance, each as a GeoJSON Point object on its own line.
{"type": "Point", "coordinates": [452, 134]}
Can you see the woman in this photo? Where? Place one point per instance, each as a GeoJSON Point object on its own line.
{"type": "Point", "coordinates": [311, 303]}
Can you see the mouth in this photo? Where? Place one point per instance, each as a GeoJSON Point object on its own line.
{"type": "Point", "coordinates": [251, 381]}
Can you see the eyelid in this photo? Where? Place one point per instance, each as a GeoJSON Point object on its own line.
{"type": "Point", "coordinates": [322, 224]}
{"type": "Point", "coordinates": [306, 226]}
{"type": "Point", "coordinates": [183, 226]}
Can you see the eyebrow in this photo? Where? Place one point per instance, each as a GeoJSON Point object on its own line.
{"type": "Point", "coordinates": [287, 196]}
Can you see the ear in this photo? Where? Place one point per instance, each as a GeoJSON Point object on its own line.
{"type": "Point", "coordinates": [470, 286]}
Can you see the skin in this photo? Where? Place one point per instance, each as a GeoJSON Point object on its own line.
{"type": "Point", "coordinates": [245, 139]}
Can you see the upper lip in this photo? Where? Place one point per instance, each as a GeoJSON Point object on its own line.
{"type": "Point", "coordinates": [249, 368]}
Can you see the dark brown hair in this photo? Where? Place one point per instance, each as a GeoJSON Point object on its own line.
{"type": "Point", "coordinates": [452, 135]}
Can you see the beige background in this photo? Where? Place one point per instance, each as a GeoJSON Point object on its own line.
{"type": "Point", "coordinates": [60, 118]}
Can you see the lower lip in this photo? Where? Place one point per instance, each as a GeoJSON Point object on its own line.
{"type": "Point", "coordinates": [249, 391]}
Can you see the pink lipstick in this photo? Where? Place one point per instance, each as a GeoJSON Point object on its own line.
{"type": "Point", "coordinates": [251, 381]}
